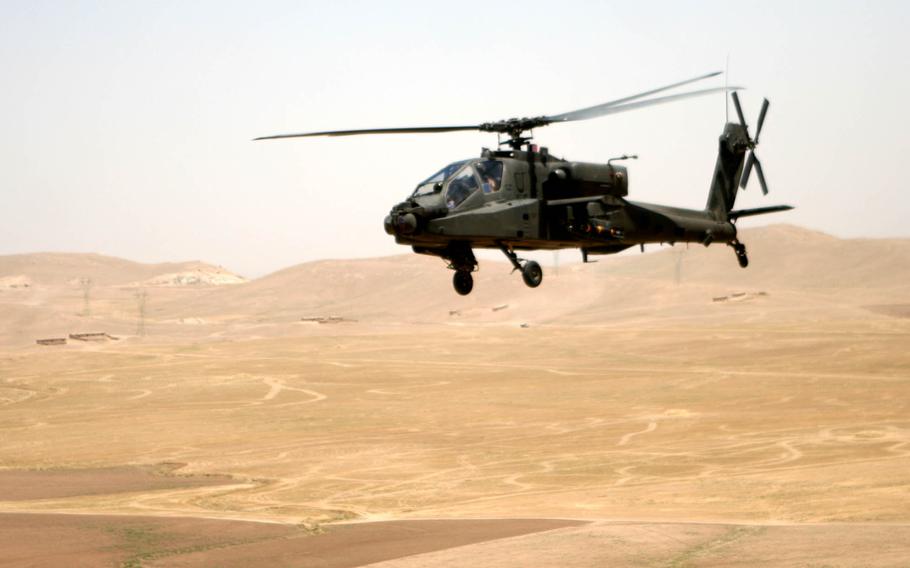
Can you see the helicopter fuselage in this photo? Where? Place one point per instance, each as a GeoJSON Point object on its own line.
{"type": "Point", "coordinates": [544, 203]}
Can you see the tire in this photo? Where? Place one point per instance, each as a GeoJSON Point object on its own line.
{"type": "Point", "coordinates": [532, 274]}
{"type": "Point", "coordinates": [741, 256]}
{"type": "Point", "coordinates": [463, 282]}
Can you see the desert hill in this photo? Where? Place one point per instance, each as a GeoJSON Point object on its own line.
{"type": "Point", "coordinates": [53, 294]}
{"type": "Point", "coordinates": [786, 261]}
{"type": "Point", "coordinates": [791, 257]}
{"type": "Point", "coordinates": [58, 269]}
{"type": "Point", "coordinates": [794, 274]}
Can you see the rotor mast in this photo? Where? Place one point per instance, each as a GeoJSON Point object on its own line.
{"type": "Point", "coordinates": [514, 128]}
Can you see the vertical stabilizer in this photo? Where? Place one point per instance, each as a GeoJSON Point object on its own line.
{"type": "Point", "coordinates": [731, 153]}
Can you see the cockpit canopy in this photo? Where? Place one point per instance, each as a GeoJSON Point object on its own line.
{"type": "Point", "coordinates": [429, 185]}
{"type": "Point", "coordinates": [461, 179]}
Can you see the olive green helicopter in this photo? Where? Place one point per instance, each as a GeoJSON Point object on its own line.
{"type": "Point", "coordinates": [522, 198]}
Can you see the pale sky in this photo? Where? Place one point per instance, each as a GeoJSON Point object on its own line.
{"type": "Point", "coordinates": [127, 126]}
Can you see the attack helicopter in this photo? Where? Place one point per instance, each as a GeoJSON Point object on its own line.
{"type": "Point", "coordinates": [520, 197]}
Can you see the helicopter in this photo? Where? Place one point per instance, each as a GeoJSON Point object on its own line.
{"type": "Point", "coordinates": [522, 197]}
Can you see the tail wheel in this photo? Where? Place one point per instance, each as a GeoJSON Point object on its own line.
{"type": "Point", "coordinates": [741, 257]}
{"type": "Point", "coordinates": [743, 260]}
{"type": "Point", "coordinates": [532, 274]}
{"type": "Point", "coordinates": [463, 282]}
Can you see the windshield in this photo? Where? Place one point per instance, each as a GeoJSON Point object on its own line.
{"type": "Point", "coordinates": [463, 185]}
{"type": "Point", "coordinates": [428, 186]}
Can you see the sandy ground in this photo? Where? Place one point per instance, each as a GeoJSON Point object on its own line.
{"type": "Point", "coordinates": [685, 414]}
{"type": "Point", "coordinates": [343, 546]}
{"type": "Point", "coordinates": [752, 424]}
{"type": "Point", "coordinates": [24, 485]}
{"type": "Point", "coordinates": [104, 540]}
{"type": "Point", "coordinates": [656, 544]}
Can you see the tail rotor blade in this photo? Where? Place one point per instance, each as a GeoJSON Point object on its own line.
{"type": "Point", "coordinates": [747, 170]}
{"type": "Point", "coordinates": [761, 119]}
{"type": "Point", "coordinates": [739, 109]}
{"type": "Point", "coordinates": [752, 159]}
{"type": "Point", "coordinates": [761, 177]}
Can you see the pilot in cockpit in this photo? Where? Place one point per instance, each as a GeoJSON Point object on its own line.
{"type": "Point", "coordinates": [490, 173]}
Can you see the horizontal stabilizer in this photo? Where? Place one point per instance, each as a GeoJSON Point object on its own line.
{"type": "Point", "coordinates": [734, 215]}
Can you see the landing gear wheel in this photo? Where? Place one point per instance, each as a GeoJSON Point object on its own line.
{"type": "Point", "coordinates": [741, 257]}
{"type": "Point", "coordinates": [463, 282]}
{"type": "Point", "coordinates": [743, 260]}
{"type": "Point", "coordinates": [532, 274]}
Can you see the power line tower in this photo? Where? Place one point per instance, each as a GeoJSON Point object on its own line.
{"type": "Point", "coordinates": [141, 297]}
{"type": "Point", "coordinates": [677, 270]}
{"type": "Point", "coordinates": [86, 285]}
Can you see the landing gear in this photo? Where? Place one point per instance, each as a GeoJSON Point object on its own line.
{"type": "Point", "coordinates": [531, 272]}
{"type": "Point", "coordinates": [740, 250]}
{"type": "Point", "coordinates": [463, 282]}
{"type": "Point", "coordinates": [461, 259]}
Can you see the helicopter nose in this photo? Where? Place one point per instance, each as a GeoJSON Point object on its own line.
{"type": "Point", "coordinates": [401, 224]}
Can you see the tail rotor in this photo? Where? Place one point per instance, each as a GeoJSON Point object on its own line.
{"type": "Point", "coordinates": [752, 159]}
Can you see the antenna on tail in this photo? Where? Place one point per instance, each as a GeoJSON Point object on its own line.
{"type": "Point", "coordinates": [726, 98]}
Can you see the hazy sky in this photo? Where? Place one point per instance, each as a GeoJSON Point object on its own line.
{"type": "Point", "coordinates": [126, 126]}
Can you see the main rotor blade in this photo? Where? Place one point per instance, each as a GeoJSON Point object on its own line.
{"type": "Point", "coordinates": [761, 177]}
{"type": "Point", "coordinates": [513, 125]}
{"type": "Point", "coordinates": [747, 170]}
{"type": "Point", "coordinates": [739, 109]}
{"type": "Point", "coordinates": [415, 130]}
{"type": "Point", "coordinates": [761, 119]}
{"type": "Point", "coordinates": [601, 110]}
{"type": "Point", "coordinates": [633, 97]}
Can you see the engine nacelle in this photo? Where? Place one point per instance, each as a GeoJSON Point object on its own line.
{"type": "Point", "coordinates": [579, 179]}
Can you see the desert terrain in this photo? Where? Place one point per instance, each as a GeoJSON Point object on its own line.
{"type": "Point", "coordinates": [664, 409]}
